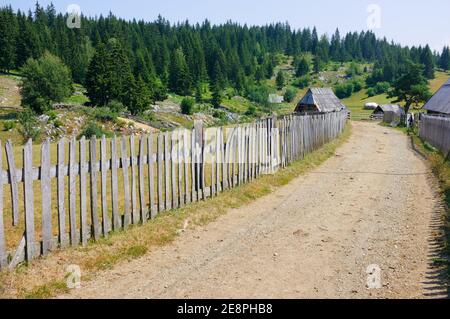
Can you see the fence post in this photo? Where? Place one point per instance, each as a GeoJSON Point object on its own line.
{"type": "Point", "coordinates": [29, 200]}
{"type": "Point", "coordinates": [3, 255]}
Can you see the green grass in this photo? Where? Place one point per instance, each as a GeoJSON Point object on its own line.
{"type": "Point", "coordinates": [42, 279]}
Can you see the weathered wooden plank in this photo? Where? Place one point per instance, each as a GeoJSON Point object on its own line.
{"type": "Point", "coordinates": [83, 190]}
{"type": "Point", "coordinates": [29, 201]}
{"type": "Point", "coordinates": [13, 182]}
{"type": "Point", "coordinates": [218, 161]}
{"type": "Point", "coordinates": [18, 255]}
{"type": "Point", "coordinates": [160, 172]}
{"type": "Point", "coordinates": [187, 198]}
{"type": "Point", "coordinates": [141, 163]}
{"type": "Point", "coordinates": [72, 193]}
{"type": "Point", "coordinates": [93, 185]}
{"type": "Point", "coordinates": [194, 176]}
{"type": "Point", "coordinates": [104, 175]}
{"type": "Point", "coordinates": [180, 168]}
{"type": "Point", "coordinates": [134, 208]}
{"type": "Point", "coordinates": [3, 252]}
{"type": "Point", "coordinates": [115, 186]}
{"type": "Point", "coordinates": [167, 169]}
{"type": "Point", "coordinates": [46, 193]}
{"type": "Point", "coordinates": [61, 194]}
{"type": "Point", "coordinates": [225, 162]}
{"type": "Point", "coordinates": [203, 164]}
{"type": "Point", "coordinates": [174, 159]}
{"type": "Point", "coordinates": [151, 176]}
{"type": "Point", "coordinates": [126, 183]}
{"type": "Point", "coordinates": [211, 150]}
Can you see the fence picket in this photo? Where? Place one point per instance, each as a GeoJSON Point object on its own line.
{"type": "Point", "coordinates": [29, 201]}
{"type": "Point", "coordinates": [72, 193]}
{"type": "Point", "coordinates": [83, 191]}
{"type": "Point", "coordinates": [134, 209]}
{"type": "Point", "coordinates": [151, 176]}
{"type": "Point", "coordinates": [61, 194]}
{"type": "Point", "coordinates": [141, 162]}
{"type": "Point", "coordinates": [46, 191]}
{"type": "Point", "coordinates": [93, 184]}
{"type": "Point", "coordinates": [126, 183]}
{"type": "Point", "coordinates": [160, 172]}
{"type": "Point", "coordinates": [13, 182]}
{"type": "Point", "coordinates": [104, 172]}
{"type": "Point", "coordinates": [114, 186]}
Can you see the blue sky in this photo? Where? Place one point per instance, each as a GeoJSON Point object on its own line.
{"type": "Point", "coordinates": [410, 22]}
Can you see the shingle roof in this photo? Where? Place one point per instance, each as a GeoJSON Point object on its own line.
{"type": "Point", "coordinates": [323, 98]}
{"type": "Point", "coordinates": [440, 102]}
{"type": "Point", "coordinates": [391, 108]}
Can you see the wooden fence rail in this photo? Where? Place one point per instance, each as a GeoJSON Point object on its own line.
{"type": "Point", "coordinates": [436, 131]}
{"type": "Point", "coordinates": [83, 190]}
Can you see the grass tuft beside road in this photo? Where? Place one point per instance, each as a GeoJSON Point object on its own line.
{"type": "Point", "coordinates": [46, 277]}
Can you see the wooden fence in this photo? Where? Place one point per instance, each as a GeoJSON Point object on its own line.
{"type": "Point", "coordinates": [436, 131]}
{"type": "Point", "coordinates": [67, 194]}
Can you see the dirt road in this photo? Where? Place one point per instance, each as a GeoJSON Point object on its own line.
{"type": "Point", "coordinates": [372, 203]}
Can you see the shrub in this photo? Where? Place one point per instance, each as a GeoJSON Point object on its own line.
{"type": "Point", "coordinates": [382, 87]}
{"type": "Point", "coordinates": [357, 86]}
{"type": "Point", "coordinates": [290, 94]}
{"type": "Point", "coordinates": [29, 123]}
{"type": "Point", "coordinates": [52, 115]}
{"type": "Point", "coordinates": [46, 80]}
{"type": "Point", "coordinates": [259, 94]}
{"type": "Point", "coordinates": [9, 125]}
{"type": "Point", "coordinates": [187, 106]}
{"type": "Point", "coordinates": [105, 115]}
{"type": "Point", "coordinates": [252, 111]}
{"type": "Point", "coordinates": [371, 92]}
{"type": "Point", "coordinates": [344, 90]}
{"type": "Point", "coordinates": [116, 106]}
{"type": "Point", "coordinates": [302, 82]}
{"type": "Point", "coordinates": [93, 129]}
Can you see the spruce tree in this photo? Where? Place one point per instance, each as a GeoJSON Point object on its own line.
{"type": "Point", "coordinates": [444, 61]}
{"type": "Point", "coordinates": [427, 60]}
{"type": "Point", "coordinates": [180, 80]}
{"type": "Point", "coordinates": [280, 80]}
{"type": "Point", "coordinates": [8, 34]}
{"type": "Point", "coordinates": [303, 67]}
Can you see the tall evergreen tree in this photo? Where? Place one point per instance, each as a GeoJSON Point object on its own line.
{"type": "Point", "coordinates": [427, 60]}
{"type": "Point", "coordinates": [180, 79]}
{"type": "Point", "coordinates": [444, 61]}
{"type": "Point", "coordinates": [8, 34]}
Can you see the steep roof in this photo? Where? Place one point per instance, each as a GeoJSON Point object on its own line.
{"type": "Point", "coordinates": [395, 108]}
{"type": "Point", "coordinates": [323, 98]}
{"type": "Point", "coordinates": [440, 102]}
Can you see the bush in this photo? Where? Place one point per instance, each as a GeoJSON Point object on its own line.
{"type": "Point", "coordinates": [259, 94]}
{"type": "Point", "coordinates": [344, 90]}
{"type": "Point", "coordinates": [371, 92]}
{"type": "Point", "coordinates": [9, 125]}
{"type": "Point", "coordinates": [105, 115]}
{"type": "Point", "coordinates": [302, 82]}
{"type": "Point", "coordinates": [52, 115]}
{"type": "Point", "coordinates": [251, 111]}
{"type": "Point", "coordinates": [187, 106]}
{"type": "Point", "coordinates": [290, 94]}
{"type": "Point", "coordinates": [46, 80]}
{"type": "Point", "coordinates": [357, 86]}
{"type": "Point", "coordinates": [93, 129]}
{"type": "Point", "coordinates": [116, 106]}
{"type": "Point", "coordinates": [382, 87]}
{"type": "Point", "coordinates": [29, 123]}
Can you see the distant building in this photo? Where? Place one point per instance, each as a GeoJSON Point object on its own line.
{"type": "Point", "coordinates": [320, 100]}
{"type": "Point", "coordinates": [370, 106]}
{"type": "Point", "coordinates": [439, 104]}
{"type": "Point", "coordinates": [389, 113]}
{"type": "Point", "coordinates": [276, 99]}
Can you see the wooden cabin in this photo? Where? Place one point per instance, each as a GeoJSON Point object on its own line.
{"type": "Point", "coordinates": [439, 104]}
{"type": "Point", "coordinates": [320, 100]}
{"type": "Point", "coordinates": [389, 113]}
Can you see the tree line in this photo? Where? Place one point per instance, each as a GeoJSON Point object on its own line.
{"type": "Point", "coordinates": [137, 62]}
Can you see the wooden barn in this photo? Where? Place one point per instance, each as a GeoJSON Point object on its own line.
{"type": "Point", "coordinates": [389, 113]}
{"type": "Point", "coordinates": [320, 100]}
{"type": "Point", "coordinates": [439, 104]}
